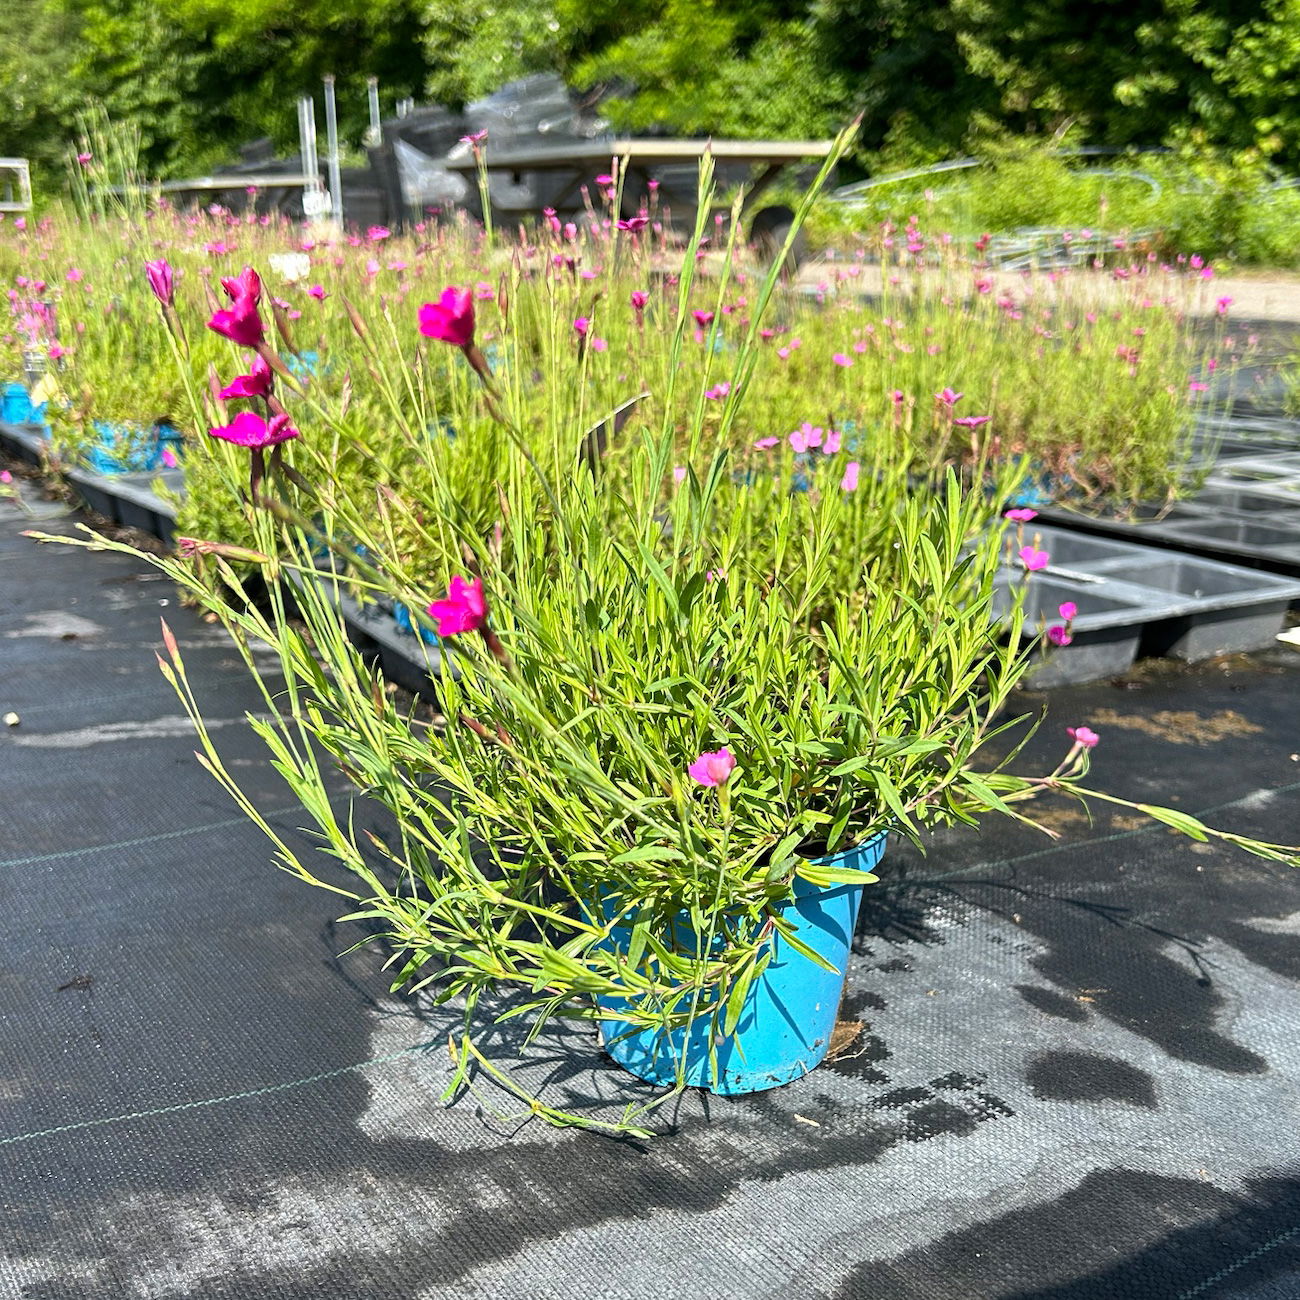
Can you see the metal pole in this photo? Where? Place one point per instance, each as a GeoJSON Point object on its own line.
{"type": "Point", "coordinates": [307, 141]}
{"type": "Point", "coordinates": [332, 145]}
{"type": "Point", "coordinates": [372, 90]}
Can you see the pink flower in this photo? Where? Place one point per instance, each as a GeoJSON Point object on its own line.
{"type": "Point", "coordinates": [972, 421]}
{"type": "Point", "coordinates": [702, 318]}
{"type": "Point", "coordinates": [6, 476]}
{"type": "Point", "coordinates": [605, 179]}
{"type": "Point", "coordinates": [713, 767]}
{"type": "Point", "coordinates": [1083, 736]}
{"type": "Point", "coordinates": [764, 444]}
{"type": "Point", "coordinates": [257, 383]}
{"type": "Point", "coordinates": [639, 299]}
{"type": "Point", "coordinates": [247, 284]}
{"type": "Point", "coordinates": [897, 397]}
{"type": "Point", "coordinates": [634, 224]}
{"type": "Point", "coordinates": [806, 436]}
{"type": "Point", "coordinates": [600, 345]}
{"type": "Point", "coordinates": [1195, 386]}
{"type": "Point", "coordinates": [581, 325]}
{"type": "Point", "coordinates": [718, 391]}
{"type": "Point", "coordinates": [477, 138]}
{"type": "Point", "coordinates": [56, 352]}
{"type": "Point", "coordinates": [377, 233]}
{"type": "Point", "coordinates": [241, 324]}
{"type": "Point", "coordinates": [248, 429]}
{"type": "Point", "coordinates": [75, 273]}
{"type": "Point", "coordinates": [831, 443]}
{"type": "Point", "coordinates": [841, 360]}
{"type": "Point", "coordinates": [161, 281]}
{"type": "Point", "coordinates": [463, 609]}
{"type": "Point", "coordinates": [1021, 515]}
{"type": "Point", "coordinates": [169, 458]}
{"type": "Point", "coordinates": [1069, 611]}
{"type": "Point", "coordinates": [849, 483]}
{"type": "Point", "coordinates": [450, 319]}
{"type": "Point", "coordinates": [948, 397]}
{"type": "Point", "coordinates": [1221, 306]}
{"type": "Point", "coordinates": [317, 292]}
{"type": "Point", "coordinates": [1059, 635]}
{"type": "Point", "coordinates": [1033, 559]}
{"type": "Point", "coordinates": [84, 159]}
{"type": "Point", "coordinates": [679, 474]}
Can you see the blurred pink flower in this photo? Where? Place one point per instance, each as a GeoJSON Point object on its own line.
{"type": "Point", "coordinates": [248, 429]}
{"type": "Point", "coordinates": [450, 319]}
{"type": "Point", "coordinates": [831, 443]}
{"type": "Point", "coordinates": [1084, 736]}
{"type": "Point", "coordinates": [257, 383]}
{"type": "Point", "coordinates": [718, 391]}
{"type": "Point", "coordinates": [841, 360]}
{"type": "Point", "coordinates": [713, 767]}
{"type": "Point", "coordinates": [679, 474]}
{"type": "Point", "coordinates": [241, 324]}
{"type": "Point", "coordinates": [581, 325]}
{"type": "Point", "coordinates": [477, 138]}
{"type": "Point", "coordinates": [161, 281]}
{"type": "Point", "coordinates": [948, 397]}
{"type": "Point", "coordinates": [1059, 635]}
{"type": "Point", "coordinates": [84, 159]}
{"type": "Point", "coordinates": [377, 233]}
{"type": "Point", "coordinates": [317, 292]}
{"type": "Point", "coordinates": [75, 273]}
{"type": "Point", "coordinates": [972, 421]}
{"type": "Point", "coordinates": [765, 444]}
{"type": "Point", "coordinates": [1033, 559]}
{"type": "Point", "coordinates": [639, 299]}
{"type": "Point", "coordinates": [805, 436]}
{"type": "Point", "coordinates": [634, 224]}
{"type": "Point", "coordinates": [169, 458]}
{"type": "Point", "coordinates": [850, 480]}
{"type": "Point", "coordinates": [600, 345]}
{"type": "Point", "coordinates": [1068, 611]}
{"type": "Point", "coordinates": [247, 284]}
{"type": "Point", "coordinates": [463, 609]}
{"type": "Point", "coordinates": [1021, 515]}
{"type": "Point", "coordinates": [702, 318]}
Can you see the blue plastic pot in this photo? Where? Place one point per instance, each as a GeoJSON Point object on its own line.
{"type": "Point", "coordinates": [789, 1013]}
{"type": "Point", "coordinates": [15, 404]}
{"type": "Point", "coordinates": [122, 449]}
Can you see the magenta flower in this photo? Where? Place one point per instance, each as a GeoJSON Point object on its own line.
{"type": "Point", "coordinates": [450, 319]}
{"type": "Point", "coordinates": [317, 292]}
{"type": "Point", "coordinates": [241, 324]}
{"type": "Point", "coordinates": [84, 159]}
{"type": "Point", "coordinates": [248, 429]}
{"type": "Point", "coordinates": [477, 138]}
{"type": "Point", "coordinates": [764, 444]}
{"type": "Point", "coordinates": [634, 224]}
{"type": "Point", "coordinates": [841, 360]}
{"type": "Point", "coordinates": [257, 383]}
{"type": "Point", "coordinates": [639, 299]}
{"type": "Point", "coordinates": [75, 274]}
{"type": "Point", "coordinates": [898, 397]}
{"type": "Point", "coordinates": [581, 325]}
{"type": "Point", "coordinates": [377, 234]}
{"type": "Point", "coordinates": [247, 284]}
{"type": "Point", "coordinates": [1221, 306]}
{"type": "Point", "coordinates": [1033, 559]}
{"type": "Point", "coordinates": [1059, 635]}
{"type": "Point", "coordinates": [1069, 611]}
{"type": "Point", "coordinates": [169, 458]}
{"type": "Point", "coordinates": [948, 397]}
{"type": "Point", "coordinates": [713, 767]}
{"type": "Point", "coordinates": [161, 281]}
{"type": "Point", "coordinates": [718, 391]}
{"type": "Point", "coordinates": [849, 483]}
{"type": "Point", "coordinates": [463, 609]}
{"type": "Point", "coordinates": [972, 421]}
{"type": "Point", "coordinates": [702, 318]}
{"type": "Point", "coordinates": [1084, 736]}
{"type": "Point", "coordinates": [831, 443]}
{"type": "Point", "coordinates": [1021, 515]}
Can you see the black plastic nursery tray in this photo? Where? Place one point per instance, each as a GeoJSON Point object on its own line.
{"type": "Point", "coordinates": [130, 499]}
{"type": "Point", "coordinates": [26, 442]}
{"type": "Point", "coordinates": [403, 658]}
{"type": "Point", "coordinates": [1254, 434]}
{"type": "Point", "coordinates": [1133, 600]}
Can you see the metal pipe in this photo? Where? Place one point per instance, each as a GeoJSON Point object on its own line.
{"type": "Point", "coordinates": [372, 90]}
{"type": "Point", "coordinates": [332, 146]}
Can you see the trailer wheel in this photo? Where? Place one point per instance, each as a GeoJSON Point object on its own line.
{"type": "Point", "coordinates": [768, 231]}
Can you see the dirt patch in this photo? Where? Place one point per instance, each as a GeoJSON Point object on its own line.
{"type": "Point", "coordinates": [1180, 727]}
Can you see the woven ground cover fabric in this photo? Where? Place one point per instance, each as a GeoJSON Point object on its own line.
{"type": "Point", "coordinates": [1066, 1070]}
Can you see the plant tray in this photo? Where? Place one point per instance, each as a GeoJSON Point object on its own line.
{"type": "Point", "coordinates": [404, 659]}
{"type": "Point", "coordinates": [25, 442]}
{"type": "Point", "coordinates": [130, 499]}
{"type": "Point", "coordinates": [1134, 600]}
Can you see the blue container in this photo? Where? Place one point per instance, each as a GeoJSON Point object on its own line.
{"type": "Point", "coordinates": [407, 625]}
{"type": "Point", "coordinates": [15, 404]}
{"type": "Point", "coordinates": [122, 449]}
{"type": "Point", "coordinates": [789, 1014]}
